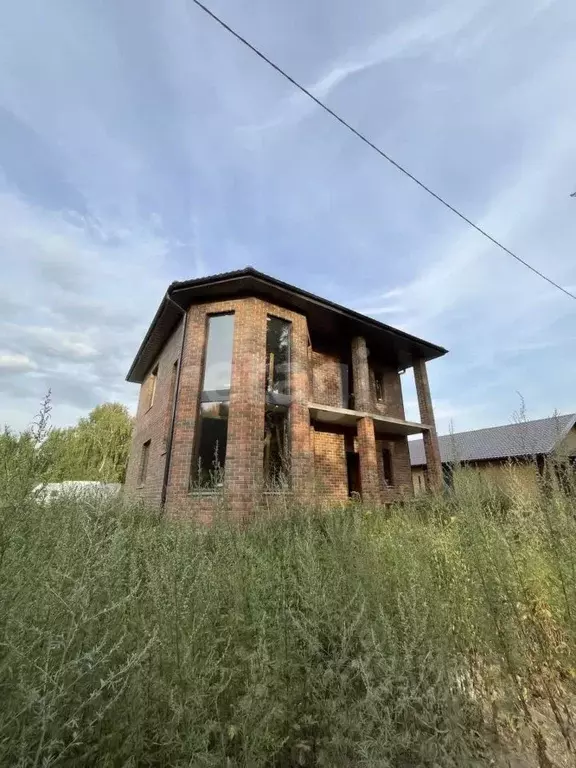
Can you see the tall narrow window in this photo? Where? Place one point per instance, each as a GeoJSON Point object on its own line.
{"type": "Point", "coordinates": [153, 378]}
{"type": "Point", "coordinates": [276, 448]}
{"type": "Point", "coordinates": [378, 386]}
{"type": "Point", "coordinates": [387, 466]}
{"type": "Point", "coordinates": [145, 455]}
{"type": "Point", "coordinates": [209, 457]}
{"type": "Point", "coordinates": [278, 360]}
{"type": "Point", "coordinates": [346, 385]}
{"type": "Point", "coordinates": [170, 408]}
{"type": "Point", "coordinates": [173, 383]}
{"type": "Point", "coordinates": [276, 419]}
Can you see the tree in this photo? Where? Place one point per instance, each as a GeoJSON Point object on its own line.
{"type": "Point", "coordinates": [96, 448]}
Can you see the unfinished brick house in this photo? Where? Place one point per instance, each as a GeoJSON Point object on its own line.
{"type": "Point", "coordinates": [251, 386]}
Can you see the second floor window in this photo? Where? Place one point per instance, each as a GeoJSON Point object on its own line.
{"type": "Point", "coordinates": [377, 383]}
{"type": "Point", "coordinates": [346, 386]}
{"type": "Point", "coordinates": [278, 360]}
{"type": "Point", "coordinates": [152, 387]}
{"type": "Point", "coordinates": [379, 387]}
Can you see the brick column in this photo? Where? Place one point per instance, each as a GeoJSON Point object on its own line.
{"type": "Point", "coordinates": [361, 375]}
{"type": "Point", "coordinates": [431, 446]}
{"type": "Point", "coordinates": [369, 476]}
{"type": "Point", "coordinates": [245, 449]}
{"type": "Point", "coordinates": [302, 457]}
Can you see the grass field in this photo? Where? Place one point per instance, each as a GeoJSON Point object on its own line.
{"type": "Point", "coordinates": [440, 633]}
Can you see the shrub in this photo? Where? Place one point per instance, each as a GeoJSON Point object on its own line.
{"type": "Point", "coordinates": [437, 634]}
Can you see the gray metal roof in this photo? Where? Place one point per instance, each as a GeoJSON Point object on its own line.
{"type": "Point", "coordinates": [510, 440]}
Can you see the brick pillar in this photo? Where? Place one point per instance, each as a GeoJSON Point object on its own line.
{"type": "Point", "coordinates": [369, 476]}
{"type": "Point", "coordinates": [245, 448]}
{"type": "Point", "coordinates": [302, 457]}
{"type": "Point", "coordinates": [431, 446]}
{"type": "Point", "coordinates": [361, 375]}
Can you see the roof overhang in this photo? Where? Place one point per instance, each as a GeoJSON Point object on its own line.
{"type": "Point", "coordinates": [325, 318]}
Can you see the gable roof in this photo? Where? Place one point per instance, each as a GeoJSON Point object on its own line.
{"type": "Point", "coordinates": [324, 316]}
{"type": "Point", "coordinates": [508, 441]}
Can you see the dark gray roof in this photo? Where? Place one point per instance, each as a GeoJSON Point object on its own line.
{"type": "Point", "coordinates": [326, 317]}
{"type": "Point", "coordinates": [524, 439]}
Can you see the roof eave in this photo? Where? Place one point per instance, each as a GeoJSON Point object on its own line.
{"type": "Point", "coordinates": [431, 351]}
{"type": "Point", "coordinates": [438, 351]}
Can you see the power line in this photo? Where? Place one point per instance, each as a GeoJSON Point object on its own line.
{"type": "Point", "coordinates": [377, 149]}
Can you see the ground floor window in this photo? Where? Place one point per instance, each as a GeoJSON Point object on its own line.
{"type": "Point", "coordinates": [144, 457]}
{"type": "Point", "coordinates": [212, 436]}
{"type": "Point", "coordinates": [387, 467]}
{"type": "Point", "coordinates": [276, 448]}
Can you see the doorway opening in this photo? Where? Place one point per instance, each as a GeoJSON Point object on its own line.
{"type": "Point", "coordinates": [353, 474]}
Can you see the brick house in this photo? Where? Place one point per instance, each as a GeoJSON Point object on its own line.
{"type": "Point", "coordinates": [250, 386]}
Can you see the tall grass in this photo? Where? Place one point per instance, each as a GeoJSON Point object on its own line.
{"type": "Point", "coordinates": [440, 633]}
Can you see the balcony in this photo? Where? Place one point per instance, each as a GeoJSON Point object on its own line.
{"type": "Point", "coordinates": [345, 417]}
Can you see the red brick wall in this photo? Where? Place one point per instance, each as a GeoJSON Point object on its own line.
{"type": "Point", "coordinates": [393, 403]}
{"type": "Point", "coordinates": [327, 385]}
{"type": "Point", "coordinates": [244, 456]}
{"type": "Point", "coordinates": [153, 424]}
{"type": "Point", "coordinates": [179, 501]}
{"type": "Point", "coordinates": [327, 381]}
{"type": "Point", "coordinates": [401, 469]}
{"type": "Point", "coordinates": [331, 479]}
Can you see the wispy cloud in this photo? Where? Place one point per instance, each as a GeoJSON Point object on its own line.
{"type": "Point", "coordinates": [77, 318]}
{"type": "Point", "coordinates": [469, 268]}
{"type": "Point", "coordinates": [411, 37]}
{"type": "Point", "coordinates": [15, 363]}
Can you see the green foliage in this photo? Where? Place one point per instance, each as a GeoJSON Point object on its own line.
{"type": "Point", "coordinates": [438, 634]}
{"type": "Point", "coordinates": [22, 462]}
{"type": "Point", "coordinates": [96, 448]}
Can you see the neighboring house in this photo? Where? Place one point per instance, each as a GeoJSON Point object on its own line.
{"type": "Point", "coordinates": [490, 450]}
{"type": "Point", "coordinates": [250, 386]}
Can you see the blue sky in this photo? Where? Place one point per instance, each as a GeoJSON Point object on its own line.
{"type": "Point", "coordinates": [140, 144]}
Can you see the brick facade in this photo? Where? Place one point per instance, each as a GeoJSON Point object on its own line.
{"type": "Point", "coordinates": [327, 378]}
{"type": "Point", "coordinates": [393, 403]}
{"type": "Point", "coordinates": [153, 424]}
{"type": "Point", "coordinates": [331, 480]}
{"type": "Point", "coordinates": [318, 451]}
